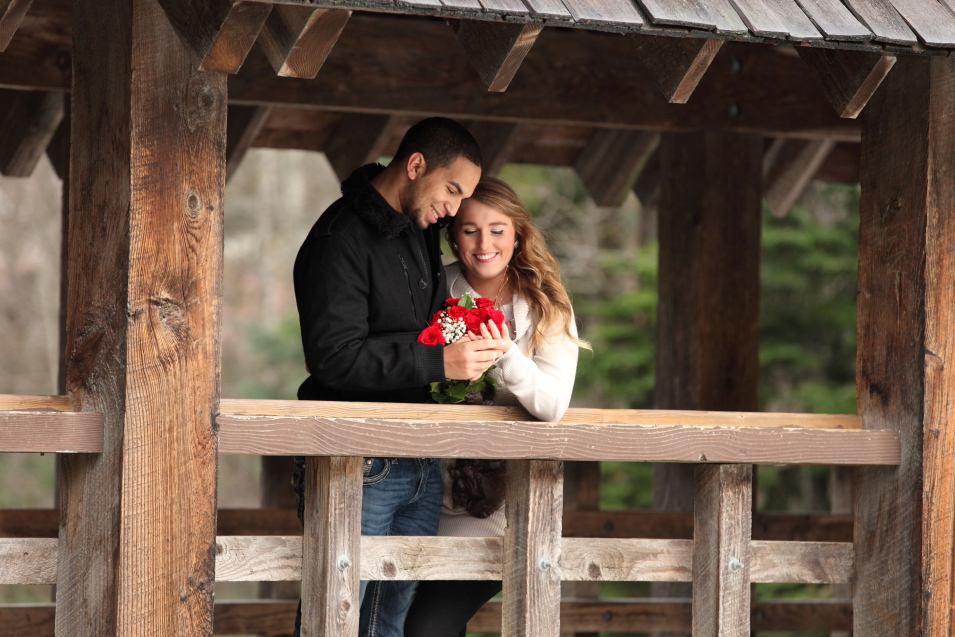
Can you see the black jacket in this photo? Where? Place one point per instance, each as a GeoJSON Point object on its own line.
{"type": "Point", "coordinates": [367, 280]}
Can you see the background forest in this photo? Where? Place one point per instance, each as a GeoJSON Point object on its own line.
{"type": "Point", "coordinates": [608, 258]}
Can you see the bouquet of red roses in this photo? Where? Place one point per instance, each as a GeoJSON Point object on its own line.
{"type": "Point", "coordinates": [460, 316]}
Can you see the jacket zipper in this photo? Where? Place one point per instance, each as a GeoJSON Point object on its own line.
{"type": "Point", "coordinates": [404, 266]}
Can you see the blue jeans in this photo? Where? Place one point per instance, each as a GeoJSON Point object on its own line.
{"type": "Point", "coordinates": [400, 496]}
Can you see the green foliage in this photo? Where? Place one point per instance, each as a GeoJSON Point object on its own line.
{"type": "Point", "coordinates": [272, 364]}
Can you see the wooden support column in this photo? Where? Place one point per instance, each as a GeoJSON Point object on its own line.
{"type": "Point", "coordinates": [722, 528]}
{"type": "Point", "coordinates": [147, 175]}
{"type": "Point", "coordinates": [904, 368]}
{"type": "Point", "coordinates": [531, 596]}
{"type": "Point", "coordinates": [708, 315]}
{"type": "Point", "coordinates": [331, 557]}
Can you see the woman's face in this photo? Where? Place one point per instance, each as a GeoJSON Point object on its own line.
{"type": "Point", "coordinates": [485, 238]}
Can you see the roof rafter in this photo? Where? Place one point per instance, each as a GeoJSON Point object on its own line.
{"type": "Point", "coordinates": [298, 38]}
{"type": "Point", "coordinates": [28, 120]}
{"type": "Point", "coordinates": [610, 160]}
{"type": "Point", "coordinates": [221, 32]}
{"type": "Point", "coordinates": [677, 64]}
{"type": "Point", "coordinates": [495, 49]}
{"type": "Point", "coordinates": [11, 14]}
{"type": "Point", "coordinates": [788, 167]}
{"type": "Point", "coordinates": [848, 78]}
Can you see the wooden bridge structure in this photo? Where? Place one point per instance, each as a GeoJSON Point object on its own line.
{"type": "Point", "coordinates": [145, 107]}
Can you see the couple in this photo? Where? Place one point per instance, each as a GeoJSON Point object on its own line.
{"type": "Point", "coordinates": [367, 280]}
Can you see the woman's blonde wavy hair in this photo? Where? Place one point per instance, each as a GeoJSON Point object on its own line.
{"type": "Point", "coordinates": [533, 269]}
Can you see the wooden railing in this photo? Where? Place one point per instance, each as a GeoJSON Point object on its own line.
{"type": "Point", "coordinates": [721, 559]}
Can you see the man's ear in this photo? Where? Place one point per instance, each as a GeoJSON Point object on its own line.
{"type": "Point", "coordinates": [415, 166]}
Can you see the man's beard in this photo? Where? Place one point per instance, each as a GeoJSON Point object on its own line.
{"type": "Point", "coordinates": [410, 206]}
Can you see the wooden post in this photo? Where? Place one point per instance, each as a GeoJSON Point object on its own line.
{"type": "Point", "coordinates": [331, 547]}
{"type": "Point", "coordinates": [581, 493]}
{"type": "Point", "coordinates": [904, 373]}
{"type": "Point", "coordinates": [147, 176]}
{"type": "Point", "coordinates": [531, 600]}
{"type": "Point", "coordinates": [277, 493]}
{"type": "Point", "coordinates": [708, 316]}
{"type": "Point", "coordinates": [722, 528]}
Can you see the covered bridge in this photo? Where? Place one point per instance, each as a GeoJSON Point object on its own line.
{"type": "Point", "coordinates": [146, 106]}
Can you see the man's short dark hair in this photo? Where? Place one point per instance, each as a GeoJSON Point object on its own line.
{"type": "Point", "coordinates": [441, 140]}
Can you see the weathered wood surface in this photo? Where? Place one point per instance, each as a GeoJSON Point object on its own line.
{"type": "Point", "coordinates": [297, 39]}
{"type": "Point", "coordinates": [883, 20]}
{"type": "Point", "coordinates": [495, 50]}
{"type": "Point", "coordinates": [331, 550]}
{"type": "Point", "coordinates": [834, 20]}
{"type": "Point", "coordinates": [244, 125]}
{"type": "Point", "coordinates": [759, 20]}
{"type": "Point", "coordinates": [793, 18]}
{"type": "Point", "coordinates": [419, 558]}
{"type": "Point", "coordinates": [358, 139]}
{"type": "Point", "coordinates": [600, 12]}
{"type": "Point", "coordinates": [849, 78]}
{"type": "Point", "coordinates": [789, 165]}
{"type": "Point", "coordinates": [25, 402]}
{"type": "Point", "coordinates": [276, 493]}
{"type": "Point", "coordinates": [28, 561]}
{"type": "Point", "coordinates": [677, 65]}
{"type": "Point", "coordinates": [611, 615]}
{"type": "Point", "coordinates": [51, 432]}
{"type": "Point", "coordinates": [11, 14]}
{"type": "Point", "coordinates": [609, 162]}
{"type": "Point", "coordinates": [549, 10]}
{"type": "Point", "coordinates": [690, 14]}
{"type": "Point", "coordinates": [147, 174]}
{"type": "Point", "coordinates": [481, 439]}
{"type": "Point", "coordinates": [28, 121]}
{"type": "Point", "coordinates": [722, 521]}
{"type": "Point", "coordinates": [220, 32]}
{"type": "Point", "coordinates": [903, 531]}
{"type": "Point", "coordinates": [801, 527]}
{"type": "Point", "coordinates": [931, 20]}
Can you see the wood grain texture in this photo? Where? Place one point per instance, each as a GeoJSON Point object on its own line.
{"type": "Point", "coordinates": [789, 165]}
{"type": "Point", "coordinates": [297, 39]}
{"type": "Point", "coordinates": [575, 415]}
{"type": "Point", "coordinates": [532, 548]}
{"type": "Point", "coordinates": [482, 439]}
{"type": "Point", "coordinates": [147, 178]}
{"type": "Point", "coordinates": [609, 163]}
{"type": "Point", "coordinates": [760, 19]}
{"type": "Point", "coordinates": [599, 12]}
{"type": "Point", "coordinates": [220, 32]}
{"type": "Point", "coordinates": [721, 549]}
{"type": "Point", "coordinates": [28, 121]}
{"type": "Point", "coordinates": [549, 9]}
{"type": "Point", "coordinates": [28, 561]}
{"type": "Point", "coordinates": [848, 78]}
{"type": "Point", "coordinates": [795, 20]}
{"type": "Point", "coordinates": [834, 20]}
{"type": "Point", "coordinates": [883, 20]}
{"type": "Point", "coordinates": [244, 125]}
{"type": "Point", "coordinates": [358, 139]}
{"type": "Point", "coordinates": [11, 14]}
{"type": "Point", "coordinates": [689, 14]}
{"type": "Point", "coordinates": [903, 530]}
{"type": "Point", "coordinates": [497, 141]}
{"type": "Point", "coordinates": [25, 402]}
{"type": "Point", "coordinates": [331, 550]}
{"type": "Point", "coordinates": [677, 65]}
{"type": "Point", "coordinates": [50, 432]}
{"type": "Point", "coordinates": [431, 558]}
{"type": "Point", "coordinates": [495, 49]}
{"type": "Point", "coordinates": [933, 22]}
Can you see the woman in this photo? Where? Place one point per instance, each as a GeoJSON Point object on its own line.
{"type": "Point", "coordinates": [502, 257]}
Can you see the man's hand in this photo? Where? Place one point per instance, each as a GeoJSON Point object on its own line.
{"type": "Point", "coordinates": [469, 358]}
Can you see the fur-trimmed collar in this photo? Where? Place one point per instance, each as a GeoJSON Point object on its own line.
{"type": "Point", "coordinates": [362, 197]}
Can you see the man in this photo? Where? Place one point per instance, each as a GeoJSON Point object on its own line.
{"type": "Point", "coordinates": [367, 280]}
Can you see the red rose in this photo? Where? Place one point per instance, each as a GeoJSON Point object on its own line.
{"type": "Point", "coordinates": [498, 317]}
{"type": "Point", "coordinates": [451, 302]}
{"type": "Point", "coordinates": [483, 302]}
{"type": "Point", "coordinates": [436, 317]}
{"type": "Point", "coordinates": [431, 335]}
{"type": "Point", "coordinates": [457, 311]}
{"type": "Point", "coordinates": [474, 318]}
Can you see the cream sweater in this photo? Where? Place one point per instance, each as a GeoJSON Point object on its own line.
{"type": "Point", "coordinates": [541, 383]}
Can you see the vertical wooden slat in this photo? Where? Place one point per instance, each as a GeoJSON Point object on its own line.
{"type": "Point", "coordinates": [581, 493]}
{"type": "Point", "coordinates": [277, 493]}
{"type": "Point", "coordinates": [708, 313]}
{"type": "Point", "coordinates": [330, 550]}
{"type": "Point", "coordinates": [147, 175]}
{"type": "Point", "coordinates": [904, 376]}
{"type": "Point", "coordinates": [722, 528]}
{"type": "Point", "coordinates": [531, 596]}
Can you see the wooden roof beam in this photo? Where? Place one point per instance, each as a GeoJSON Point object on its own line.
{"type": "Point", "coordinates": [788, 167]}
{"type": "Point", "coordinates": [11, 14]}
{"type": "Point", "coordinates": [848, 78]}
{"type": "Point", "coordinates": [359, 139]}
{"type": "Point", "coordinates": [28, 120]}
{"type": "Point", "coordinates": [608, 163]}
{"type": "Point", "coordinates": [221, 32]}
{"type": "Point", "coordinates": [243, 126]}
{"type": "Point", "coordinates": [497, 141]}
{"type": "Point", "coordinates": [298, 38]}
{"type": "Point", "coordinates": [677, 64]}
{"type": "Point", "coordinates": [495, 49]}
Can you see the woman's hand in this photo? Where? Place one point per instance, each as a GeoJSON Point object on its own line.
{"type": "Point", "coordinates": [489, 330]}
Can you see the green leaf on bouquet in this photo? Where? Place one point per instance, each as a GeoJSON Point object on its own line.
{"type": "Point", "coordinates": [466, 302]}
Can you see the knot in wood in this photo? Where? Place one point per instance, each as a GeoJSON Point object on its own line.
{"type": "Point", "coordinates": [593, 571]}
{"type": "Point", "coordinates": [202, 101]}
{"type": "Point", "coordinates": [389, 570]}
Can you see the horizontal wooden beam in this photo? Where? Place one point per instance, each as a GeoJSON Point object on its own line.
{"type": "Point", "coordinates": [28, 560]}
{"type": "Point", "coordinates": [51, 432]}
{"type": "Point", "coordinates": [273, 617]}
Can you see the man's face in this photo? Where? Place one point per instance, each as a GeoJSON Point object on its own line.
{"type": "Point", "coordinates": [437, 192]}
